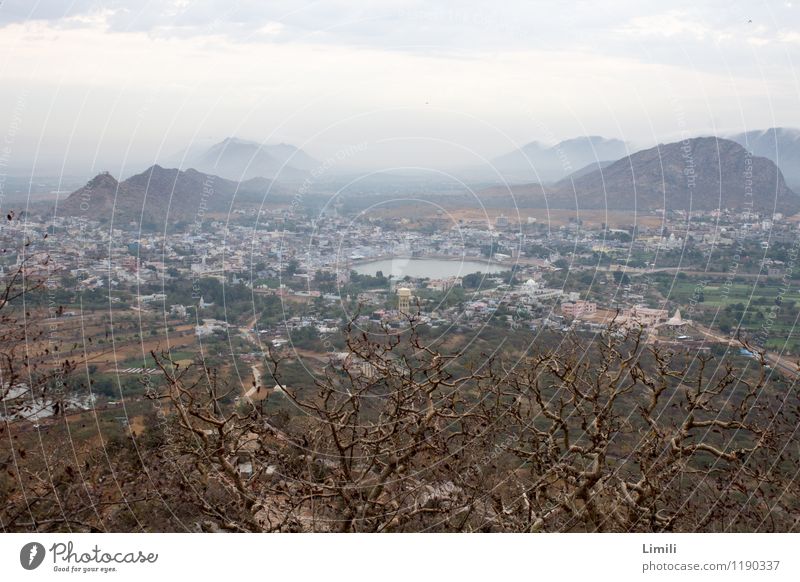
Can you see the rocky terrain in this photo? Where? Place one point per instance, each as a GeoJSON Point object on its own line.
{"type": "Point", "coordinates": [702, 173]}
{"type": "Point", "coordinates": [159, 196]}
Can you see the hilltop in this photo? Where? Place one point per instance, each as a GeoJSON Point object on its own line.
{"type": "Point", "coordinates": [158, 196]}
{"type": "Point", "coordinates": [702, 173]}
{"type": "Point", "coordinates": [697, 174]}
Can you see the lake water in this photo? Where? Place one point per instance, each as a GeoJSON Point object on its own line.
{"type": "Point", "coordinates": [430, 268]}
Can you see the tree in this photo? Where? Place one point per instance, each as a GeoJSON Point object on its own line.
{"type": "Point", "coordinates": [34, 383]}
{"type": "Point", "coordinates": [618, 435]}
{"type": "Point", "coordinates": [472, 280]}
{"type": "Point", "coordinates": [291, 267]}
{"type": "Point", "coordinates": [25, 379]}
{"type": "Point", "coordinates": [621, 278]}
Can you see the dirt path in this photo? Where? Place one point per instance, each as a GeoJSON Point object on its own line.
{"type": "Point", "coordinates": [784, 364]}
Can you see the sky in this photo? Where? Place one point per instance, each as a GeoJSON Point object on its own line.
{"type": "Point", "coordinates": [118, 85]}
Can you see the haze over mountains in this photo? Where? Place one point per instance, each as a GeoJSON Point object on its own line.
{"type": "Point", "coordinates": [544, 164]}
{"type": "Point", "coordinates": [779, 144]}
{"type": "Point", "coordinates": [536, 162]}
{"type": "Point", "coordinates": [240, 159]}
{"type": "Point", "coordinates": [702, 173]}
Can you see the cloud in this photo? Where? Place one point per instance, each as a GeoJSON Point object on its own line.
{"type": "Point", "coordinates": [674, 24]}
{"type": "Point", "coordinates": [789, 37]}
{"type": "Point", "coordinates": [464, 27]}
{"type": "Point", "coordinates": [342, 70]}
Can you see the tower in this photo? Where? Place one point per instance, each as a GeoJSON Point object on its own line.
{"type": "Point", "coordinates": [404, 300]}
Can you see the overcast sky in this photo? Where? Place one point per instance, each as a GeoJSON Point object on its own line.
{"type": "Point", "coordinates": [90, 85]}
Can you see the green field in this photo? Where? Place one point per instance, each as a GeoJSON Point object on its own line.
{"type": "Point", "coordinates": [718, 293]}
{"type": "Point", "coordinates": [767, 307]}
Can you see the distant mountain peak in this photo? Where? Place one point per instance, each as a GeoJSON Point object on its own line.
{"type": "Point", "coordinates": [236, 140]}
{"type": "Point", "coordinates": [590, 139]}
{"type": "Point", "coordinates": [236, 158]}
{"type": "Point", "coordinates": [789, 132]}
{"type": "Point", "coordinates": [779, 144]}
{"type": "Point", "coordinates": [103, 179]}
{"type": "Point", "coordinates": [151, 174]}
{"type": "Point", "coordinates": [702, 173]}
{"type": "Point", "coordinates": [537, 161]}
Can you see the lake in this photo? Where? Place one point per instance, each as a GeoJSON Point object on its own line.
{"type": "Point", "coordinates": [430, 268]}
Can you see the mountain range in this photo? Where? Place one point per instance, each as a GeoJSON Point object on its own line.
{"type": "Point", "coordinates": [702, 173]}
{"type": "Point", "coordinates": [160, 196]}
{"type": "Point", "coordinates": [239, 159]}
{"type": "Point", "coordinates": [697, 174]}
{"type": "Point", "coordinates": [779, 144]}
{"type": "Point", "coordinates": [536, 162]}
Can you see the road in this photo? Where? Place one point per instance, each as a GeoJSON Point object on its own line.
{"type": "Point", "coordinates": [782, 363]}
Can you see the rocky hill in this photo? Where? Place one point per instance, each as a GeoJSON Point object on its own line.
{"type": "Point", "coordinates": [158, 196]}
{"type": "Point", "coordinates": [703, 173]}
{"type": "Point", "coordinates": [697, 174]}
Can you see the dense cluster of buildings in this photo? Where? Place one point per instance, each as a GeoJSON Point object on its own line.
{"type": "Point", "coordinates": [284, 253]}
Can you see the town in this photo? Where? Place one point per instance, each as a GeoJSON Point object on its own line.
{"type": "Point", "coordinates": [234, 287]}
{"type": "Point", "coordinates": [399, 267]}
